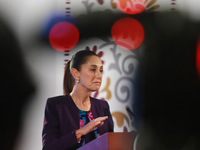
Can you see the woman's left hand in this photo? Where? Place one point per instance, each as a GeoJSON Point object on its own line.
{"type": "Point", "coordinates": [93, 124]}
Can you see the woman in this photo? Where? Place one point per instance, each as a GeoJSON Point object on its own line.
{"type": "Point", "coordinates": [75, 118]}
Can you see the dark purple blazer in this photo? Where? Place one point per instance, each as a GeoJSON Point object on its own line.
{"type": "Point", "coordinates": [62, 117]}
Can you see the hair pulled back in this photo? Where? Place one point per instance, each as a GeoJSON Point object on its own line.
{"type": "Point", "coordinates": [76, 61]}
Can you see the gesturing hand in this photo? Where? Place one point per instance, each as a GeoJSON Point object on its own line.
{"type": "Point", "coordinates": [90, 126]}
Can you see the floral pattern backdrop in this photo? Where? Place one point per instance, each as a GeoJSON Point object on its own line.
{"type": "Point", "coordinates": [32, 21]}
{"type": "Point", "coordinates": [120, 65]}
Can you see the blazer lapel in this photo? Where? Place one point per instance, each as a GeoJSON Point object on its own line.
{"type": "Point", "coordinates": [96, 114]}
{"type": "Point", "coordinates": [74, 116]}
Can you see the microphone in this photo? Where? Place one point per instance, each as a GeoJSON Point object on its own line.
{"type": "Point", "coordinates": [133, 123]}
{"type": "Point", "coordinates": [130, 112]}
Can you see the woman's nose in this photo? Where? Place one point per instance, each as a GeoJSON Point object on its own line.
{"type": "Point", "coordinates": [99, 74]}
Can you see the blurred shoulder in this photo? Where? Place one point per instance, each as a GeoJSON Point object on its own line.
{"type": "Point", "coordinates": [58, 99]}
{"type": "Point", "coordinates": [99, 101]}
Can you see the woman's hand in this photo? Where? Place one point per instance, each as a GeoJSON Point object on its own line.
{"type": "Point", "coordinates": [90, 126]}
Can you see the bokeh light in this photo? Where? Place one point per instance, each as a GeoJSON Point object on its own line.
{"type": "Point", "coordinates": [127, 33]}
{"type": "Point", "coordinates": [63, 36]}
{"type": "Point", "coordinates": [52, 19]}
{"type": "Point", "coordinates": [131, 6]}
{"type": "Point", "coordinates": [198, 57]}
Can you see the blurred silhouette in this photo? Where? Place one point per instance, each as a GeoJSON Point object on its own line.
{"type": "Point", "coordinates": [15, 87]}
{"type": "Point", "coordinates": [169, 87]}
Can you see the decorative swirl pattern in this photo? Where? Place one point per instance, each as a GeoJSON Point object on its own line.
{"type": "Point", "coordinates": [116, 58]}
{"type": "Point", "coordinates": [88, 6]}
{"type": "Point", "coordinates": [123, 89]}
{"type": "Point", "coordinates": [150, 6]}
{"type": "Point", "coordinates": [106, 89]}
{"type": "Point", "coordinates": [130, 66]}
{"type": "Point", "coordinates": [120, 117]}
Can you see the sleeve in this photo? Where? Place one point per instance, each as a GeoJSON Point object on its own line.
{"type": "Point", "coordinates": [50, 134]}
{"type": "Point", "coordinates": [110, 119]}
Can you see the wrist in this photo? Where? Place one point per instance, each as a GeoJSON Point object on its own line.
{"type": "Point", "coordinates": [78, 135]}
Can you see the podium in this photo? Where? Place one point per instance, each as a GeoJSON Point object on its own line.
{"type": "Point", "coordinates": [112, 141]}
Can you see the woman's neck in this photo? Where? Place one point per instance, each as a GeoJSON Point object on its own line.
{"type": "Point", "coordinates": [81, 99]}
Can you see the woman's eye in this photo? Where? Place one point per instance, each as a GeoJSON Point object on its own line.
{"type": "Point", "coordinates": [93, 70]}
{"type": "Point", "coordinates": [101, 71]}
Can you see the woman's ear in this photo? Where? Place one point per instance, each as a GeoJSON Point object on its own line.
{"type": "Point", "coordinates": [75, 73]}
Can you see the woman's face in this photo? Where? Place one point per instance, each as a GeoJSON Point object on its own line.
{"type": "Point", "coordinates": [91, 74]}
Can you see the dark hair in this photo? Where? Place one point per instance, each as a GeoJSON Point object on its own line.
{"type": "Point", "coordinates": [76, 61]}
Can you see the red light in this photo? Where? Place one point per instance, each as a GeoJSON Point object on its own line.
{"type": "Point", "coordinates": [63, 36]}
{"type": "Point", "coordinates": [127, 33]}
{"type": "Point", "coordinates": [131, 6]}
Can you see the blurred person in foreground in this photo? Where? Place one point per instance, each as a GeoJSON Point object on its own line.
{"type": "Point", "coordinates": [74, 119]}
{"type": "Point", "coordinates": [170, 84]}
{"type": "Point", "coordinates": [15, 87]}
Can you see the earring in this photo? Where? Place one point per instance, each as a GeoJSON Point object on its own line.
{"type": "Point", "coordinates": [78, 80]}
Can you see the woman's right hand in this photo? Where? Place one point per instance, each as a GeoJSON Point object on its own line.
{"type": "Point", "coordinates": [90, 126]}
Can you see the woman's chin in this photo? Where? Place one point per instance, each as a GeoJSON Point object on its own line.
{"type": "Point", "coordinates": [95, 89]}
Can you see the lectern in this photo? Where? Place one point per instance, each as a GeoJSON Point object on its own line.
{"type": "Point", "coordinates": [112, 141]}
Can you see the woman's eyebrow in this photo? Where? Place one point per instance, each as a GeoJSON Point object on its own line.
{"type": "Point", "coordinates": [95, 66]}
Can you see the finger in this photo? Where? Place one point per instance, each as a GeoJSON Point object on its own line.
{"type": "Point", "coordinates": [102, 118]}
{"type": "Point", "coordinates": [99, 124]}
